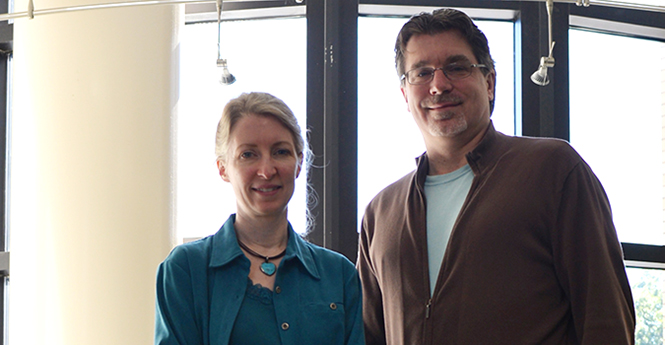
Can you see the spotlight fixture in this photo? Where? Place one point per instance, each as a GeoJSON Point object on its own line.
{"type": "Point", "coordinates": [31, 10]}
{"type": "Point", "coordinates": [227, 77]}
{"type": "Point", "coordinates": [540, 77]}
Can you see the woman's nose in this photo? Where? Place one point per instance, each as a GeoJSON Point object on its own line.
{"type": "Point", "coordinates": [267, 168]}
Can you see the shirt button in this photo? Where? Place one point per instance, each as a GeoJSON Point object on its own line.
{"type": "Point", "coordinates": [285, 326]}
{"type": "Point", "coordinates": [333, 306]}
{"type": "Point", "coordinates": [278, 289]}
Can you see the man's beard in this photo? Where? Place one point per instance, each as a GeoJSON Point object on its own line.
{"type": "Point", "coordinates": [455, 125]}
{"type": "Point", "coordinates": [456, 121]}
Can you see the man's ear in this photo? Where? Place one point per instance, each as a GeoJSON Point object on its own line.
{"type": "Point", "coordinates": [491, 84]}
{"type": "Point", "coordinates": [222, 171]}
{"type": "Point", "coordinates": [406, 98]}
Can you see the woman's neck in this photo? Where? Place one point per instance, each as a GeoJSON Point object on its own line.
{"type": "Point", "coordinates": [266, 234]}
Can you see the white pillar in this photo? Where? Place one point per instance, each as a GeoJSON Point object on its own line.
{"type": "Point", "coordinates": [94, 99]}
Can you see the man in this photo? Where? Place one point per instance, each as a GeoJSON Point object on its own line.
{"type": "Point", "coordinates": [492, 239]}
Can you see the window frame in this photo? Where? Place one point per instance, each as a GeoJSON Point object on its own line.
{"type": "Point", "coordinates": [332, 89]}
{"type": "Point", "coordinates": [332, 95]}
{"type": "Point", "coordinates": [637, 24]}
{"type": "Point", "coordinates": [6, 49]}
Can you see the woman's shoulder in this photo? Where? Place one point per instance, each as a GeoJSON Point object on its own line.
{"type": "Point", "coordinates": [326, 257]}
{"type": "Point", "coordinates": [188, 253]}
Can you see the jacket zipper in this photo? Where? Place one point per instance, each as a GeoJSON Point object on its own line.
{"type": "Point", "coordinates": [428, 307]}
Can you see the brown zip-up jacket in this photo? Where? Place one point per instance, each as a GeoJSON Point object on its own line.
{"type": "Point", "coordinates": [533, 257]}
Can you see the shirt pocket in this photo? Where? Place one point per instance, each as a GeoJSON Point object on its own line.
{"type": "Point", "coordinates": [323, 323]}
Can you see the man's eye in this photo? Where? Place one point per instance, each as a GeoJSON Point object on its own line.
{"type": "Point", "coordinates": [425, 72]}
{"type": "Point", "coordinates": [456, 68]}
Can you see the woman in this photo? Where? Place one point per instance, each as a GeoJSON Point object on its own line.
{"type": "Point", "coordinates": [256, 281]}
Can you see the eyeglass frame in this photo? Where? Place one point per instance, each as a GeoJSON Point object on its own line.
{"type": "Point", "coordinates": [478, 65]}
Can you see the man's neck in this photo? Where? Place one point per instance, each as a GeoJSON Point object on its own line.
{"type": "Point", "coordinates": [440, 166]}
{"type": "Point", "coordinates": [447, 154]}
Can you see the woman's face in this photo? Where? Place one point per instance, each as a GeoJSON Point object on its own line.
{"type": "Point", "coordinates": [262, 166]}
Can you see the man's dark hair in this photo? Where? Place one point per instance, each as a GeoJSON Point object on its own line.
{"type": "Point", "coordinates": [442, 20]}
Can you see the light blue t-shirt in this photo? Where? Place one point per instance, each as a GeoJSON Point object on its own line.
{"type": "Point", "coordinates": [445, 195]}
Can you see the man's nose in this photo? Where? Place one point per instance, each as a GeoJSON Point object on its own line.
{"type": "Point", "coordinates": [440, 83]}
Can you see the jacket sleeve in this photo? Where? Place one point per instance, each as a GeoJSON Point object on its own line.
{"type": "Point", "coordinates": [175, 321]}
{"type": "Point", "coordinates": [589, 262]}
{"type": "Point", "coordinates": [355, 333]}
{"type": "Point", "coordinates": [372, 296]}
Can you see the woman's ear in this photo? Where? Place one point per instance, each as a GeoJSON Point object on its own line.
{"type": "Point", "coordinates": [222, 170]}
{"type": "Point", "coordinates": [300, 162]}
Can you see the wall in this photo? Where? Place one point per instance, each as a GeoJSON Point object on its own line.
{"type": "Point", "coordinates": [94, 99]}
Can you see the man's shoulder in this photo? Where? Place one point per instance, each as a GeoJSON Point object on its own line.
{"type": "Point", "coordinates": [400, 186]}
{"type": "Point", "coordinates": [393, 195]}
{"type": "Point", "coordinates": [548, 149]}
{"type": "Point", "coordinates": [529, 141]}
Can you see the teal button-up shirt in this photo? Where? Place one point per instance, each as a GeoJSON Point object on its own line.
{"type": "Point", "coordinates": [201, 285]}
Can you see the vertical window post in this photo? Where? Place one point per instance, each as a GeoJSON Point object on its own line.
{"type": "Point", "coordinates": [332, 113]}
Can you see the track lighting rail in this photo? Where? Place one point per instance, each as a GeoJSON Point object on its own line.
{"type": "Point", "coordinates": [31, 12]}
{"type": "Point", "coordinates": [611, 3]}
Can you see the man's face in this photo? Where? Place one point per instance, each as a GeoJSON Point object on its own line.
{"type": "Point", "coordinates": [443, 108]}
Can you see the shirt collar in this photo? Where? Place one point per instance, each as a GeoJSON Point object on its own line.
{"type": "Point", "coordinates": [225, 248]}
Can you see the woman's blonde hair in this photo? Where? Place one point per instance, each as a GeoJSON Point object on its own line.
{"type": "Point", "coordinates": [255, 103]}
{"type": "Point", "coordinates": [265, 104]}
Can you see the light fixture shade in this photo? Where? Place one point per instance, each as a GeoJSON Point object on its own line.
{"type": "Point", "coordinates": [539, 77]}
{"type": "Point", "coordinates": [227, 78]}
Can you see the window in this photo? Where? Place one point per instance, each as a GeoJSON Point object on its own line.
{"type": "Point", "coordinates": [606, 86]}
{"type": "Point", "coordinates": [388, 138]}
{"type": "Point", "coordinates": [270, 57]}
{"type": "Point", "coordinates": [617, 92]}
{"type": "Point", "coordinates": [647, 287]}
{"type": "Point", "coordinates": [642, 2]}
{"type": "Point", "coordinates": [616, 124]}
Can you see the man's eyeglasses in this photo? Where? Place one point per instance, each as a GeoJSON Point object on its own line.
{"type": "Point", "coordinates": [453, 71]}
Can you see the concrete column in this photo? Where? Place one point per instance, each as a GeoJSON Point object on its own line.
{"type": "Point", "coordinates": [94, 100]}
{"type": "Point", "coordinates": [662, 118]}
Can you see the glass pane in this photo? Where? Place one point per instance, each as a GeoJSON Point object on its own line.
{"type": "Point", "coordinates": [638, 2]}
{"type": "Point", "coordinates": [388, 138]}
{"type": "Point", "coordinates": [616, 124]}
{"type": "Point", "coordinates": [256, 59]}
{"type": "Point", "coordinates": [647, 287]}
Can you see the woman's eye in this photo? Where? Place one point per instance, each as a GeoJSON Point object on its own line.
{"type": "Point", "coordinates": [246, 155]}
{"type": "Point", "coordinates": [282, 152]}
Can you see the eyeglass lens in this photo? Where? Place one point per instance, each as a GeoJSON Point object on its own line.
{"type": "Point", "coordinates": [453, 71]}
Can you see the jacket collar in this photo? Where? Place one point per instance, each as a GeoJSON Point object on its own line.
{"type": "Point", "coordinates": [488, 151]}
{"type": "Point", "coordinates": [225, 248]}
{"type": "Point", "coordinates": [480, 158]}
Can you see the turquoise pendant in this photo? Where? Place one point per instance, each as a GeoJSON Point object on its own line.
{"type": "Point", "coordinates": [268, 268]}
